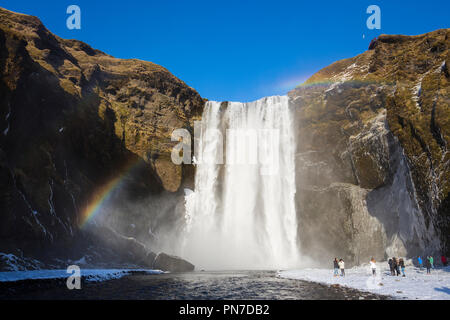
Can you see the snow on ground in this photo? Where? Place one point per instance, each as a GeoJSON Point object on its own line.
{"type": "Point", "coordinates": [93, 275]}
{"type": "Point", "coordinates": [11, 262]}
{"type": "Point", "coordinates": [416, 285]}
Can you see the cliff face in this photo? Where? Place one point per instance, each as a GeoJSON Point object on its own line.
{"type": "Point", "coordinates": [72, 118]}
{"type": "Point", "coordinates": [372, 161]}
{"type": "Point", "coordinates": [373, 167]}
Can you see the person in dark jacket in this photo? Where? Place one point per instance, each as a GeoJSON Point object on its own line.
{"type": "Point", "coordinates": [401, 263]}
{"type": "Point", "coordinates": [336, 267]}
{"type": "Point", "coordinates": [428, 265]}
{"type": "Point", "coordinates": [391, 266]}
{"type": "Point", "coordinates": [395, 266]}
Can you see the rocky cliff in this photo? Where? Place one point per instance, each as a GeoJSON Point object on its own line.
{"type": "Point", "coordinates": [71, 119]}
{"type": "Point", "coordinates": [372, 159]}
{"type": "Point", "coordinates": [373, 165]}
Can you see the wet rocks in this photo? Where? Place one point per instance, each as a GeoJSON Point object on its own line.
{"type": "Point", "coordinates": [171, 263]}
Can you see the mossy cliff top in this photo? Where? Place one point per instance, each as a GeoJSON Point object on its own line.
{"type": "Point", "coordinates": [402, 79]}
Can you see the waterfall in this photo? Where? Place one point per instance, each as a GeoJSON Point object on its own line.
{"type": "Point", "coordinates": [241, 214]}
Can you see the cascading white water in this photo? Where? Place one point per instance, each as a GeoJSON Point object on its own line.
{"type": "Point", "coordinates": [241, 214]}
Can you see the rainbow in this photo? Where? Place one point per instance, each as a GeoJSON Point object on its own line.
{"type": "Point", "coordinates": [324, 83]}
{"type": "Point", "coordinates": [103, 194]}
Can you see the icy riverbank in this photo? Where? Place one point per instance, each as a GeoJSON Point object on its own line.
{"type": "Point", "coordinates": [93, 275]}
{"type": "Point", "coordinates": [416, 285]}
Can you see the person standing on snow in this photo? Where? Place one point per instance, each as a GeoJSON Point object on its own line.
{"type": "Point", "coordinates": [444, 261]}
{"type": "Point", "coordinates": [373, 266]}
{"type": "Point", "coordinates": [432, 262]}
{"type": "Point", "coordinates": [428, 265]}
{"type": "Point", "coordinates": [336, 267]}
{"type": "Point", "coordinates": [394, 266]}
{"type": "Point", "coordinates": [391, 266]}
{"type": "Point", "coordinates": [402, 266]}
{"type": "Point", "coordinates": [342, 267]}
{"type": "Point", "coordinates": [419, 260]}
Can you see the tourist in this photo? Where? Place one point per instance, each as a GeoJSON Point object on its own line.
{"type": "Point", "coordinates": [444, 261]}
{"type": "Point", "coordinates": [402, 265]}
{"type": "Point", "coordinates": [432, 262]}
{"type": "Point", "coordinates": [373, 266]}
{"type": "Point", "coordinates": [428, 265]}
{"type": "Point", "coordinates": [342, 267]}
{"type": "Point", "coordinates": [395, 267]}
{"type": "Point", "coordinates": [391, 266]}
{"type": "Point", "coordinates": [336, 267]}
{"type": "Point", "coordinates": [398, 266]}
{"type": "Point", "coordinates": [419, 260]}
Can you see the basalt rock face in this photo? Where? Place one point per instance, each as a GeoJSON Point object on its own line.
{"type": "Point", "coordinates": [373, 167]}
{"type": "Point", "coordinates": [72, 118]}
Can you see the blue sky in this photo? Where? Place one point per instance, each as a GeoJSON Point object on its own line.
{"type": "Point", "coordinates": [236, 50]}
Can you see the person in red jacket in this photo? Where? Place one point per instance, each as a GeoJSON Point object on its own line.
{"type": "Point", "coordinates": [444, 260]}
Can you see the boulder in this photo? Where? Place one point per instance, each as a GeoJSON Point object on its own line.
{"type": "Point", "coordinates": [171, 263]}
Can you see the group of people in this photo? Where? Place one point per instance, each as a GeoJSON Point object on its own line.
{"type": "Point", "coordinates": [339, 265]}
{"type": "Point", "coordinates": [395, 265]}
{"type": "Point", "coordinates": [429, 262]}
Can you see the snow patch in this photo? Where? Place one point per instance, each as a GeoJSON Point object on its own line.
{"type": "Point", "coordinates": [442, 67]}
{"type": "Point", "coordinates": [417, 91]}
{"type": "Point", "coordinates": [350, 72]}
{"type": "Point", "coordinates": [5, 132]}
{"type": "Point", "coordinates": [80, 261]}
{"type": "Point", "coordinates": [52, 206]}
{"type": "Point", "coordinates": [91, 275]}
{"type": "Point", "coordinates": [12, 262]}
{"type": "Point", "coordinates": [416, 285]}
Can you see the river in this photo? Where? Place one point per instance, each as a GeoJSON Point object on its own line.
{"type": "Point", "coordinates": [209, 285]}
